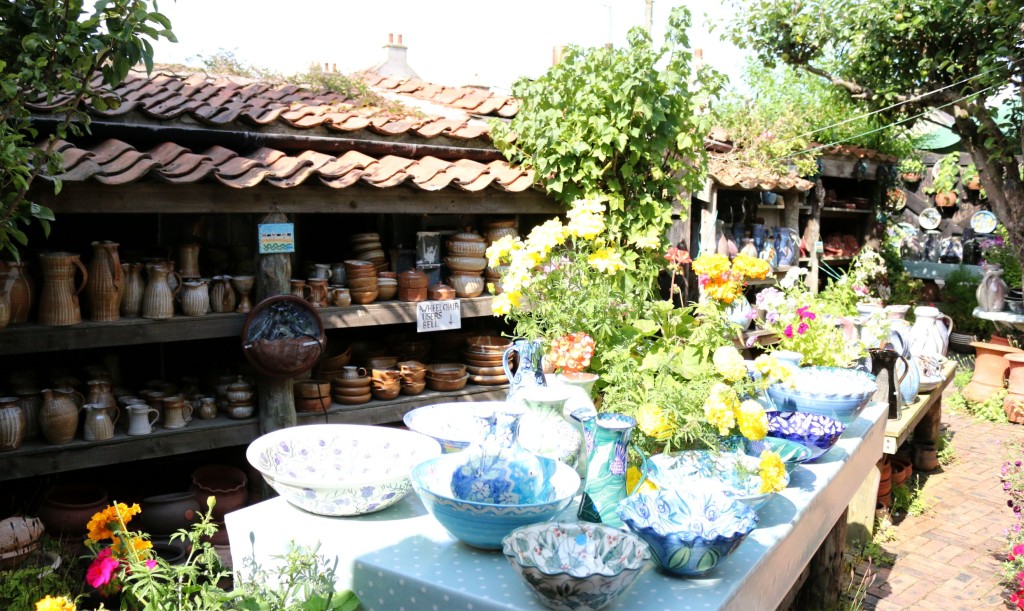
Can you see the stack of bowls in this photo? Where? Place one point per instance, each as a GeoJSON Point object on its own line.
{"type": "Point", "coordinates": [493, 231]}
{"type": "Point", "coordinates": [379, 362]}
{"type": "Point", "coordinates": [330, 367]}
{"type": "Point", "coordinates": [352, 387]}
{"type": "Point", "coordinates": [367, 247]}
{"type": "Point", "coordinates": [312, 395]}
{"type": "Point", "coordinates": [413, 377]}
{"type": "Point", "coordinates": [493, 275]}
{"type": "Point", "coordinates": [446, 376]}
{"type": "Point", "coordinates": [482, 355]}
{"type": "Point", "coordinates": [362, 280]}
{"type": "Point", "coordinates": [385, 383]}
{"type": "Point", "coordinates": [412, 285]}
{"type": "Point", "coordinates": [387, 285]}
{"type": "Point", "coordinates": [466, 262]}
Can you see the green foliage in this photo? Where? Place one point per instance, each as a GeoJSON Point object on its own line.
{"type": "Point", "coordinates": [874, 553]}
{"type": "Point", "coordinates": [959, 301]}
{"type": "Point", "coordinates": [947, 451]}
{"type": "Point", "coordinates": [304, 581]}
{"type": "Point", "coordinates": [990, 410]}
{"type": "Point", "coordinates": [20, 588]}
{"type": "Point", "coordinates": [49, 50]}
{"type": "Point", "coordinates": [911, 165]}
{"type": "Point", "coordinates": [969, 174]}
{"type": "Point", "coordinates": [947, 174]}
{"type": "Point", "coordinates": [622, 124]}
{"type": "Point", "coordinates": [907, 498]}
{"type": "Point", "coordinates": [1000, 250]}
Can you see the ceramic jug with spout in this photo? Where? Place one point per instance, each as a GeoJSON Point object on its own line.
{"type": "Point", "coordinates": [543, 430]}
{"type": "Point", "coordinates": [930, 333]}
{"type": "Point", "coordinates": [100, 393]}
{"type": "Point", "coordinates": [530, 371]}
{"type": "Point", "coordinates": [194, 296]}
{"type": "Point", "coordinates": [97, 426]}
{"type": "Point", "coordinates": [188, 261]}
{"type": "Point", "coordinates": [158, 299]}
{"type": "Point", "coordinates": [907, 370]}
{"type": "Point", "coordinates": [883, 367]}
{"type": "Point", "coordinates": [141, 418]}
{"type": "Point", "coordinates": [607, 438]}
{"type": "Point", "coordinates": [134, 288]}
{"type": "Point", "coordinates": [991, 292]}
{"type": "Point", "coordinates": [12, 424]}
{"type": "Point", "coordinates": [222, 294]}
{"type": "Point", "coordinates": [58, 303]}
{"type": "Point", "coordinates": [58, 417]}
{"type": "Point", "coordinates": [21, 293]}
{"type": "Point", "coordinates": [106, 282]}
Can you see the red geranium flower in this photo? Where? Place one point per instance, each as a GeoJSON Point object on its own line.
{"type": "Point", "coordinates": [101, 571]}
{"type": "Point", "coordinates": [678, 256]}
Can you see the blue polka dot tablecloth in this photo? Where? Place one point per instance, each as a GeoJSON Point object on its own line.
{"type": "Point", "coordinates": [401, 558]}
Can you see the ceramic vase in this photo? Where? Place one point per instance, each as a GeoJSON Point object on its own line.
{"type": "Point", "coordinates": [581, 379]}
{"type": "Point", "coordinates": [30, 401]}
{"type": "Point", "coordinates": [194, 297]}
{"type": "Point", "coordinates": [100, 393]}
{"type": "Point", "coordinates": [58, 303]}
{"type": "Point", "coordinates": [991, 292]}
{"type": "Point", "coordinates": [990, 365]}
{"type": "Point", "coordinates": [883, 367]}
{"type": "Point", "coordinates": [134, 288]}
{"type": "Point", "coordinates": [12, 424]}
{"type": "Point", "coordinates": [1013, 404]}
{"type": "Point", "coordinates": [606, 438]}
{"type": "Point", "coordinates": [158, 299]}
{"type": "Point", "coordinates": [97, 426]}
{"type": "Point", "coordinates": [222, 295]}
{"type": "Point", "coordinates": [58, 416]}
{"type": "Point", "coordinates": [188, 261]}
{"type": "Point", "coordinates": [530, 371]}
{"type": "Point", "coordinates": [243, 286]}
{"type": "Point", "coordinates": [930, 333]}
{"type": "Point", "coordinates": [106, 282]}
{"type": "Point", "coordinates": [543, 430]}
{"type": "Point", "coordinates": [21, 291]}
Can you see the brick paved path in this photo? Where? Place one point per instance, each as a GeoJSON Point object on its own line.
{"type": "Point", "coordinates": [949, 557]}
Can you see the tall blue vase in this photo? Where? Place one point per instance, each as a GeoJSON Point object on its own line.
{"type": "Point", "coordinates": [530, 371]}
{"type": "Point", "coordinates": [607, 437]}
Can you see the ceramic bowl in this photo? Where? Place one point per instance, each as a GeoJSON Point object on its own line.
{"type": "Point", "coordinates": [355, 284]}
{"type": "Point", "coordinates": [792, 452]}
{"type": "Point", "coordinates": [467, 287]}
{"type": "Point", "coordinates": [483, 525]}
{"type": "Point", "coordinates": [486, 345]}
{"type": "Point", "coordinates": [386, 394]}
{"type": "Point", "coordinates": [485, 371]}
{"type": "Point", "coordinates": [575, 565]}
{"type": "Point", "coordinates": [818, 433]}
{"type": "Point", "coordinates": [363, 298]}
{"type": "Point", "coordinates": [454, 425]}
{"type": "Point", "coordinates": [352, 400]}
{"type": "Point", "coordinates": [446, 385]}
{"type": "Point", "coordinates": [466, 264]}
{"type": "Point", "coordinates": [412, 388]}
{"type": "Point", "coordinates": [460, 248]}
{"type": "Point", "coordinates": [830, 391]}
{"type": "Point", "coordinates": [312, 389]}
{"type": "Point", "coordinates": [340, 469]}
{"type": "Point", "coordinates": [689, 532]}
{"type": "Point", "coordinates": [734, 474]}
{"type": "Point", "coordinates": [387, 292]}
{"type": "Point", "coordinates": [446, 371]}
{"type": "Point", "coordinates": [351, 392]}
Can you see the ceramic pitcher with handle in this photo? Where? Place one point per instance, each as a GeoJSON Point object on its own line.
{"type": "Point", "coordinates": [58, 417]}
{"type": "Point", "coordinates": [106, 282]}
{"type": "Point", "coordinates": [21, 293]}
{"type": "Point", "coordinates": [158, 299]}
{"type": "Point", "coordinates": [134, 288]}
{"type": "Point", "coordinates": [530, 371]}
{"type": "Point", "coordinates": [58, 304]}
{"type": "Point", "coordinates": [930, 333]}
{"type": "Point", "coordinates": [607, 438]}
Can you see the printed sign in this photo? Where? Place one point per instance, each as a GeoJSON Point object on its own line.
{"type": "Point", "coordinates": [438, 315]}
{"type": "Point", "coordinates": [276, 238]}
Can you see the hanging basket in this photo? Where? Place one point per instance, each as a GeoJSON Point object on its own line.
{"type": "Point", "coordinates": [283, 336]}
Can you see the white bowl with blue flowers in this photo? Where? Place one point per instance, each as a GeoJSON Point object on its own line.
{"type": "Point", "coordinates": [829, 391]}
{"type": "Point", "coordinates": [455, 425]}
{"type": "Point", "coordinates": [340, 469]}
{"type": "Point", "coordinates": [735, 475]}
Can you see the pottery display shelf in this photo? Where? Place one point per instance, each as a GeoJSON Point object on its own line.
{"type": "Point", "coordinates": [937, 271]}
{"type": "Point", "coordinates": [1002, 319]}
{"type": "Point", "coordinates": [401, 557]}
{"type": "Point", "coordinates": [922, 417]}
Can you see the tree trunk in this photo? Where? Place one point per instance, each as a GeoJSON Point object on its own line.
{"type": "Point", "coordinates": [276, 398]}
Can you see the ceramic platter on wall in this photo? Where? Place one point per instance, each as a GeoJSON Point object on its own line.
{"type": "Point", "coordinates": [929, 218]}
{"type": "Point", "coordinates": [984, 221]}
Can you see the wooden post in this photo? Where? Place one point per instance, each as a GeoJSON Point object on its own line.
{"type": "Point", "coordinates": [276, 398]}
{"type": "Point", "coordinates": [791, 214]}
{"type": "Point", "coordinates": [824, 582]}
{"type": "Point", "coordinates": [812, 233]}
{"type": "Point", "coordinates": [860, 521]}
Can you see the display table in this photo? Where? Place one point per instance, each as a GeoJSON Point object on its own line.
{"type": "Point", "coordinates": [1002, 319]}
{"type": "Point", "coordinates": [922, 416]}
{"type": "Point", "coordinates": [402, 558]}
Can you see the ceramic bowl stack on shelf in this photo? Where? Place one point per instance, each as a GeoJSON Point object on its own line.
{"type": "Point", "coordinates": [330, 366]}
{"type": "Point", "coordinates": [412, 285]}
{"type": "Point", "coordinates": [352, 387]}
{"type": "Point", "coordinates": [367, 247]}
{"type": "Point", "coordinates": [385, 384]}
{"type": "Point", "coordinates": [387, 285]}
{"type": "Point", "coordinates": [466, 262]}
{"type": "Point", "coordinates": [482, 355]}
{"type": "Point", "coordinates": [446, 376]}
{"type": "Point", "coordinates": [413, 377]}
{"type": "Point", "coordinates": [493, 231]}
{"type": "Point", "coordinates": [362, 281]}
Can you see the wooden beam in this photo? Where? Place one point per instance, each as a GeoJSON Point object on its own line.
{"type": "Point", "coordinates": [276, 395]}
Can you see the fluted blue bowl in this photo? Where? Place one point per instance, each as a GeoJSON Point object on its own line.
{"type": "Point", "coordinates": [816, 431]}
{"type": "Point", "coordinates": [689, 531]}
{"type": "Point", "coordinates": [835, 392]}
{"type": "Point", "coordinates": [736, 475]}
{"type": "Point", "coordinates": [792, 452]}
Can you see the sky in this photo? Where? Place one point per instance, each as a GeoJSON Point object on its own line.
{"type": "Point", "coordinates": [450, 42]}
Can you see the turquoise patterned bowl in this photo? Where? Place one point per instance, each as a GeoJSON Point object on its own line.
{"type": "Point", "coordinates": [827, 391]}
{"type": "Point", "coordinates": [454, 425]}
{"type": "Point", "coordinates": [736, 475]}
{"type": "Point", "coordinates": [792, 452]}
{"type": "Point", "coordinates": [575, 565]}
{"type": "Point", "coordinates": [691, 531]}
{"type": "Point", "coordinates": [479, 524]}
{"type": "Point", "coordinates": [340, 469]}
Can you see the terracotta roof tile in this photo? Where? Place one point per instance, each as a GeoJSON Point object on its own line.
{"type": "Point", "coordinates": [471, 99]}
{"type": "Point", "coordinates": [845, 150]}
{"type": "Point", "coordinates": [115, 162]}
{"type": "Point", "coordinates": [730, 173]}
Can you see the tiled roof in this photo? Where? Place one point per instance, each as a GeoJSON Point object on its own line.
{"type": "Point", "coordinates": [730, 173]}
{"type": "Point", "coordinates": [115, 162]}
{"type": "Point", "coordinates": [221, 101]}
{"type": "Point", "coordinates": [472, 100]}
{"type": "Point", "coordinates": [843, 150]}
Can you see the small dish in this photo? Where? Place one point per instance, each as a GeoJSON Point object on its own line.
{"type": "Point", "coordinates": [984, 221]}
{"type": "Point", "coordinates": [930, 218]}
{"type": "Point", "coordinates": [488, 380]}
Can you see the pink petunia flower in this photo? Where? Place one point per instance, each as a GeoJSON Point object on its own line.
{"type": "Point", "coordinates": [151, 564]}
{"type": "Point", "coordinates": [803, 328]}
{"type": "Point", "coordinates": [788, 331]}
{"type": "Point", "coordinates": [1018, 550]}
{"type": "Point", "coordinates": [102, 569]}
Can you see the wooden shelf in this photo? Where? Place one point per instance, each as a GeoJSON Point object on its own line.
{"type": "Point", "coordinates": [30, 337]}
{"type": "Point", "coordinates": [834, 212]}
{"type": "Point", "coordinates": [36, 457]}
{"type": "Point", "coordinates": [832, 260]}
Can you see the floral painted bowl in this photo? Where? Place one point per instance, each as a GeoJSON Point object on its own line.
{"type": "Point", "coordinates": [817, 432]}
{"type": "Point", "coordinates": [829, 391]}
{"type": "Point", "coordinates": [454, 425]}
{"type": "Point", "coordinates": [340, 469]}
{"type": "Point", "coordinates": [792, 452]}
{"type": "Point", "coordinates": [480, 524]}
{"type": "Point", "coordinates": [575, 565]}
{"type": "Point", "coordinates": [736, 475]}
{"type": "Point", "coordinates": [689, 532]}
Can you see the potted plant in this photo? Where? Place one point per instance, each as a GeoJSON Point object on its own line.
{"type": "Point", "coordinates": [911, 169]}
{"type": "Point", "coordinates": [958, 302]}
{"type": "Point", "coordinates": [947, 174]}
{"type": "Point", "coordinates": [969, 177]}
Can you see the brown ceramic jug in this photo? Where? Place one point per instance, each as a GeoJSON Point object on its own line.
{"type": "Point", "coordinates": [97, 426]}
{"type": "Point", "coordinates": [21, 292]}
{"type": "Point", "coordinates": [222, 295]}
{"type": "Point", "coordinates": [158, 300]}
{"type": "Point", "coordinates": [30, 401]}
{"type": "Point", "coordinates": [134, 288]}
{"type": "Point", "coordinates": [106, 282]}
{"type": "Point", "coordinates": [58, 303]}
{"type": "Point", "coordinates": [12, 424]}
{"type": "Point", "coordinates": [188, 261]}
{"type": "Point", "coordinates": [100, 393]}
{"type": "Point", "coordinates": [58, 418]}
{"type": "Point", "coordinates": [194, 297]}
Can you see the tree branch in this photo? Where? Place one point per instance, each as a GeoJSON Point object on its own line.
{"type": "Point", "coordinates": [855, 90]}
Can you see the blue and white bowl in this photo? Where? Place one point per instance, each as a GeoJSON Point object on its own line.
{"type": "Point", "coordinates": [792, 452]}
{"type": "Point", "coordinates": [454, 425]}
{"type": "Point", "coordinates": [689, 532]}
{"type": "Point", "coordinates": [736, 475]}
{"type": "Point", "coordinates": [575, 565]}
{"type": "Point", "coordinates": [817, 432]}
{"type": "Point", "coordinates": [480, 524]}
{"type": "Point", "coordinates": [829, 391]}
{"type": "Point", "coordinates": [340, 469]}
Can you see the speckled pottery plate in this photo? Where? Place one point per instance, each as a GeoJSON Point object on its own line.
{"type": "Point", "coordinates": [984, 221]}
{"type": "Point", "coordinates": [930, 218]}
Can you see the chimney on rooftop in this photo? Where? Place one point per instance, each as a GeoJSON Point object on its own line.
{"type": "Point", "coordinates": [395, 64]}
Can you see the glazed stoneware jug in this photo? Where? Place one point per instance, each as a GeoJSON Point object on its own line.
{"type": "Point", "coordinates": [530, 371]}
{"type": "Point", "coordinates": [12, 424]}
{"type": "Point", "coordinates": [97, 426]}
{"type": "Point", "coordinates": [222, 295]}
{"type": "Point", "coordinates": [141, 418]}
{"type": "Point", "coordinates": [134, 288]}
{"type": "Point", "coordinates": [930, 333]}
{"type": "Point", "coordinates": [194, 297]}
{"type": "Point", "coordinates": [30, 400]}
{"type": "Point", "coordinates": [58, 417]}
{"type": "Point", "coordinates": [158, 300]}
{"type": "Point", "coordinates": [100, 393]}
{"type": "Point", "coordinates": [607, 438]}
{"type": "Point", "coordinates": [58, 303]}
{"type": "Point", "coordinates": [188, 261]}
{"type": "Point", "coordinates": [991, 292]}
{"type": "Point", "coordinates": [21, 290]}
{"type": "Point", "coordinates": [106, 282]}
{"type": "Point", "coordinates": [884, 361]}
{"type": "Point", "coordinates": [177, 413]}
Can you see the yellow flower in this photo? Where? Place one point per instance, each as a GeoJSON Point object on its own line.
{"type": "Point", "coordinates": [606, 260]}
{"type": "Point", "coordinates": [720, 408]}
{"type": "Point", "coordinates": [722, 288]}
{"type": "Point", "coordinates": [772, 471]}
{"type": "Point", "coordinates": [632, 477]}
{"type": "Point", "coordinates": [543, 238]}
{"type": "Point", "coordinates": [55, 603]}
{"type": "Point", "coordinates": [136, 544]}
{"type": "Point", "coordinates": [99, 525]}
{"type": "Point", "coordinates": [647, 242]}
{"type": "Point", "coordinates": [502, 249]}
{"type": "Point", "coordinates": [586, 219]}
{"type": "Point", "coordinates": [729, 363]}
{"type": "Point", "coordinates": [750, 267]}
{"type": "Point", "coordinates": [654, 422]}
{"type": "Point", "coordinates": [713, 265]}
{"type": "Point", "coordinates": [504, 303]}
{"type": "Point", "coordinates": [752, 420]}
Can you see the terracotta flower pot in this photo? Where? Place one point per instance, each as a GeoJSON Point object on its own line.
{"type": "Point", "coordinates": [67, 508]}
{"type": "Point", "coordinates": [990, 367]}
{"type": "Point", "coordinates": [926, 457]}
{"type": "Point", "coordinates": [1013, 404]}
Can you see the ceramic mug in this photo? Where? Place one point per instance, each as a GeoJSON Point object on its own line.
{"type": "Point", "coordinates": [299, 289]}
{"type": "Point", "coordinates": [317, 292]}
{"type": "Point", "coordinates": [351, 372]}
{"type": "Point", "coordinates": [177, 413]}
{"type": "Point", "coordinates": [340, 296]}
{"type": "Point", "coordinates": [141, 418]}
